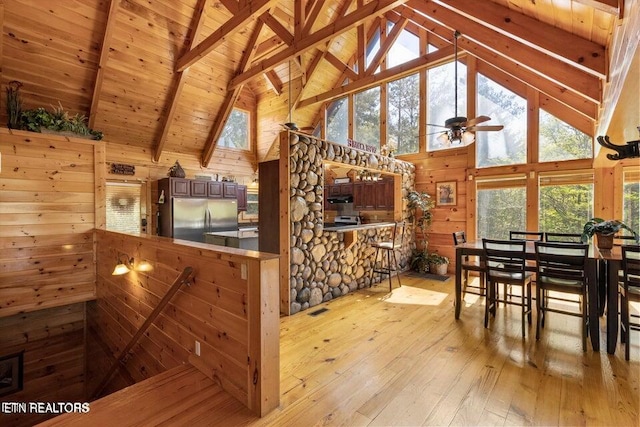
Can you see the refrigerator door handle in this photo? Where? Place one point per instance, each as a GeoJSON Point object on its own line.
{"type": "Point", "coordinates": [208, 220]}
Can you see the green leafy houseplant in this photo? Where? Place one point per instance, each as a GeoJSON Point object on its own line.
{"type": "Point", "coordinates": [604, 228]}
{"type": "Point", "coordinates": [438, 263]}
{"type": "Point", "coordinates": [39, 119]}
{"type": "Point", "coordinates": [420, 205]}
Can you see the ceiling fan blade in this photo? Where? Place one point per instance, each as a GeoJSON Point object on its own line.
{"type": "Point", "coordinates": [440, 126]}
{"type": "Point", "coordinates": [484, 128]}
{"type": "Point", "coordinates": [476, 120]}
{"type": "Point", "coordinates": [435, 133]}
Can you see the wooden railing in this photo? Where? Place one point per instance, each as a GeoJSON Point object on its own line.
{"type": "Point", "coordinates": [184, 278]}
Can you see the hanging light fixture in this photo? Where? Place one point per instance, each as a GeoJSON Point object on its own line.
{"type": "Point", "coordinates": [124, 264]}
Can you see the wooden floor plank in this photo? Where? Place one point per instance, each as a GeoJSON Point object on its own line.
{"type": "Point", "coordinates": [376, 358]}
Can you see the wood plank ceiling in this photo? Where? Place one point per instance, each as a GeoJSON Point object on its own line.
{"type": "Point", "coordinates": [164, 74]}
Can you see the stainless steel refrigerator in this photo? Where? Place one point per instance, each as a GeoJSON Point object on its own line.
{"type": "Point", "coordinates": [194, 217]}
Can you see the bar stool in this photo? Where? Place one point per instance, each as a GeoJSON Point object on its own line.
{"type": "Point", "coordinates": [389, 246]}
{"type": "Point", "coordinates": [470, 264]}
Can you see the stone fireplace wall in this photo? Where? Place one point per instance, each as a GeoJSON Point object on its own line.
{"type": "Point", "coordinates": [321, 267]}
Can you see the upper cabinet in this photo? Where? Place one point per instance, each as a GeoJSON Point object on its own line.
{"type": "Point", "coordinates": [181, 187]}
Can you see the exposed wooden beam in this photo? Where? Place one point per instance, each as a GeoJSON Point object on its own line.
{"type": "Point", "coordinates": [230, 98]}
{"type": "Point", "coordinates": [299, 18]}
{"type": "Point", "coordinates": [268, 46]}
{"type": "Point", "coordinates": [245, 15]}
{"type": "Point", "coordinates": [312, 16]}
{"type": "Point", "coordinates": [426, 61]}
{"type": "Point", "coordinates": [386, 45]}
{"type": "Point", "coordinates": [360, 51]}
{"type": "Point", "coordinates": [577, 80]}
{"type": "Point", "coordinates": [577, 102]}
{"type": "Point", "coordinates": [340, 66]}
{"type": "Point", "coordinates": [102, 62]}
{"type": "Point", "coordinates": [561, 44]}
{"type": "Point", "coordinates": [277, 28]}
{"type": "Point", "coordinates": [231, 5]}
{"type": "Point", "coordinates": [338, 27]}
{"type": "Point", "coordinates": [273, 81]}
{"type": "Point", "coordinates": [179, 79]}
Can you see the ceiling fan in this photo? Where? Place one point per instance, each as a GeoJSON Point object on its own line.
{"type": "Point", "coordinates": [460, 129]}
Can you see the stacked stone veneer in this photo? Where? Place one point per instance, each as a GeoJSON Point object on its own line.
{"type": "Point", "coordinates": [321, 266]}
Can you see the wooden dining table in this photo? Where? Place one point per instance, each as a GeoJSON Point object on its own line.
{"type": "Point", "coordinates": [476, 249]}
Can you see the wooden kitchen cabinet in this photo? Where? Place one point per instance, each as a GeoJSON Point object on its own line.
{"type": "Point", "coordinates": [242, 197]}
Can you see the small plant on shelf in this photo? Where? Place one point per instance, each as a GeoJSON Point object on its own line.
{"type": "Point", "coordinates": [42, 120]}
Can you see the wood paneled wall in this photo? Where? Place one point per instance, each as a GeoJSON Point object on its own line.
{"type": "Point", "coordinates": [231, 309]}
{"type": "Point", "coordinates": [54, 357]}
{"type": "Point", "coordinates": [47, 198]}
{"type": "Point", "coordinates": [437, 167]}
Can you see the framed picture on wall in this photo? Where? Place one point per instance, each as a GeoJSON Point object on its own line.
{"type": "Point", "coordinates": [446, 193]}
{"type": "Point", "coordinates": [11, 373]}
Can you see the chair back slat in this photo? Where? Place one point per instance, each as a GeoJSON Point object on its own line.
{"type": "Point", "coordinates": [504, 258]}
{"type": "Point", "coordinates": [563, 237]}
{"type": "Point", "coordinates": [526, 235]}
{"type": "Point", "coordinates": [564, 261]}
{"type": "Point", "coordinates": [398, 229]}
{"type": "Point", "coordinates": [459, 237]}
{"type": "Point", "coordinates": [631, 265]}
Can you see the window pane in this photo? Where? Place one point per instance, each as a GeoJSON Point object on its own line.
{"type": "Point", "coordinates": [367, 116]}
{"type": "Point", "coordinates": [631, 201]}
{"type": "Point", "coordinates": [441, 100]}
{"type": "Point", "coordinates": [561, 141]}
{"type": "Point", "coordinates": [337, 121]}
{"type": "Point", "coordinates": [501, 210]}
{"type": "Point", "coordinates": [372, 48]}
{"type": "Point", "coordinates": [403, 113]}
{"type": "Point", "coordinates": [236, 131]}
{"type": "Point", "coordinates": [565, 208]}
{"type": "Point", "coordinates": [406, 48]}
{"type": "Point", "coordinates": [508, 146]}
{"type": "Point", "coordinates": [123, 207]}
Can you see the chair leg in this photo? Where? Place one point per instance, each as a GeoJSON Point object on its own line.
{"type": "Point", "coordinates": [395, 265]}
{"type": "Point", "coordinates": [529, 304]}
{"type": "Point", "coordinates": [389, 270]}
{"type": "Point", "coordinates": [539, 310]}
{"type": "Point", "coordinates": [585, 320]}
{"type": "Point", "coordinates": [373, 267]}
{"type": "Point", "coordinates": [487, 305]}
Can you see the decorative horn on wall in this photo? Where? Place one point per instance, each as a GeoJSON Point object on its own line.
{"type": "Point", "coordinates": [628, 151]}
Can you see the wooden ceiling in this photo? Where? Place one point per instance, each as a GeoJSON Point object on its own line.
{"type": "Point", "coordinates": [164, 74]}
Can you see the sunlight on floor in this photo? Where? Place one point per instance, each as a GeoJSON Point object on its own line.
{"type": "Point", "coordinates": [416, 296]}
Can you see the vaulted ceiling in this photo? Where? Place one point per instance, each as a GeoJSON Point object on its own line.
{"type": "Point", "coordinates": [164, 74]}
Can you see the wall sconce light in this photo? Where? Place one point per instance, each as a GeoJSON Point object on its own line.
{"type": "Point", "coordinates": [124, 264]}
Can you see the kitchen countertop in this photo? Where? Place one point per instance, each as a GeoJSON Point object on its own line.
{"type": "Point", "coordinates": [243, 233]}
{"type": "Point", "coordinates": [333, 227]}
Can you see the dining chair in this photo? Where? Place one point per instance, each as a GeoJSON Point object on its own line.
{"type": "Point", "coordinates": [563, 237]}
{"type": "Point", "coordinates": [526, 235]}
{"type": "Point", "coordinates": [505, 263]}
{"type": "Point", "coordinates": [389, 247]}
{"type": "Point", "coordinates": [561, 268]}
{"type": "Point", "coordinates": [470, 264]}
{"type": "Point", "coordinates": [629, 290]}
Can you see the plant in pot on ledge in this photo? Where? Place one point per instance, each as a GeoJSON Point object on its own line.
{"type": "Point", "coordinates": [605, 231]}
{"type": "Point", "coordinates": [420, 201]}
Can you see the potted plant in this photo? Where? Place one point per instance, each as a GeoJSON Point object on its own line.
{"type": "Point", "coordinates": [605, 230]}
{"type": "Point", "coordinates": [420, 201]}
{"type": "Point", "coordinates": [438, 264]}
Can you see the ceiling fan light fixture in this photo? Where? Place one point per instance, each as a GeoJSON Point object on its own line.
{"type": "Point", "coordinates": [468, 137]}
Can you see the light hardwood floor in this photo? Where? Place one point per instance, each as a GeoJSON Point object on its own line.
{"type": "Point", "coordinates": [376, 358]}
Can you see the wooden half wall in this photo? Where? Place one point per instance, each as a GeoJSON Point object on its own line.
{"type": "Point", "coordinates": [48, 199]}
{"type": "Point", "coordinates": [231, 309]}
